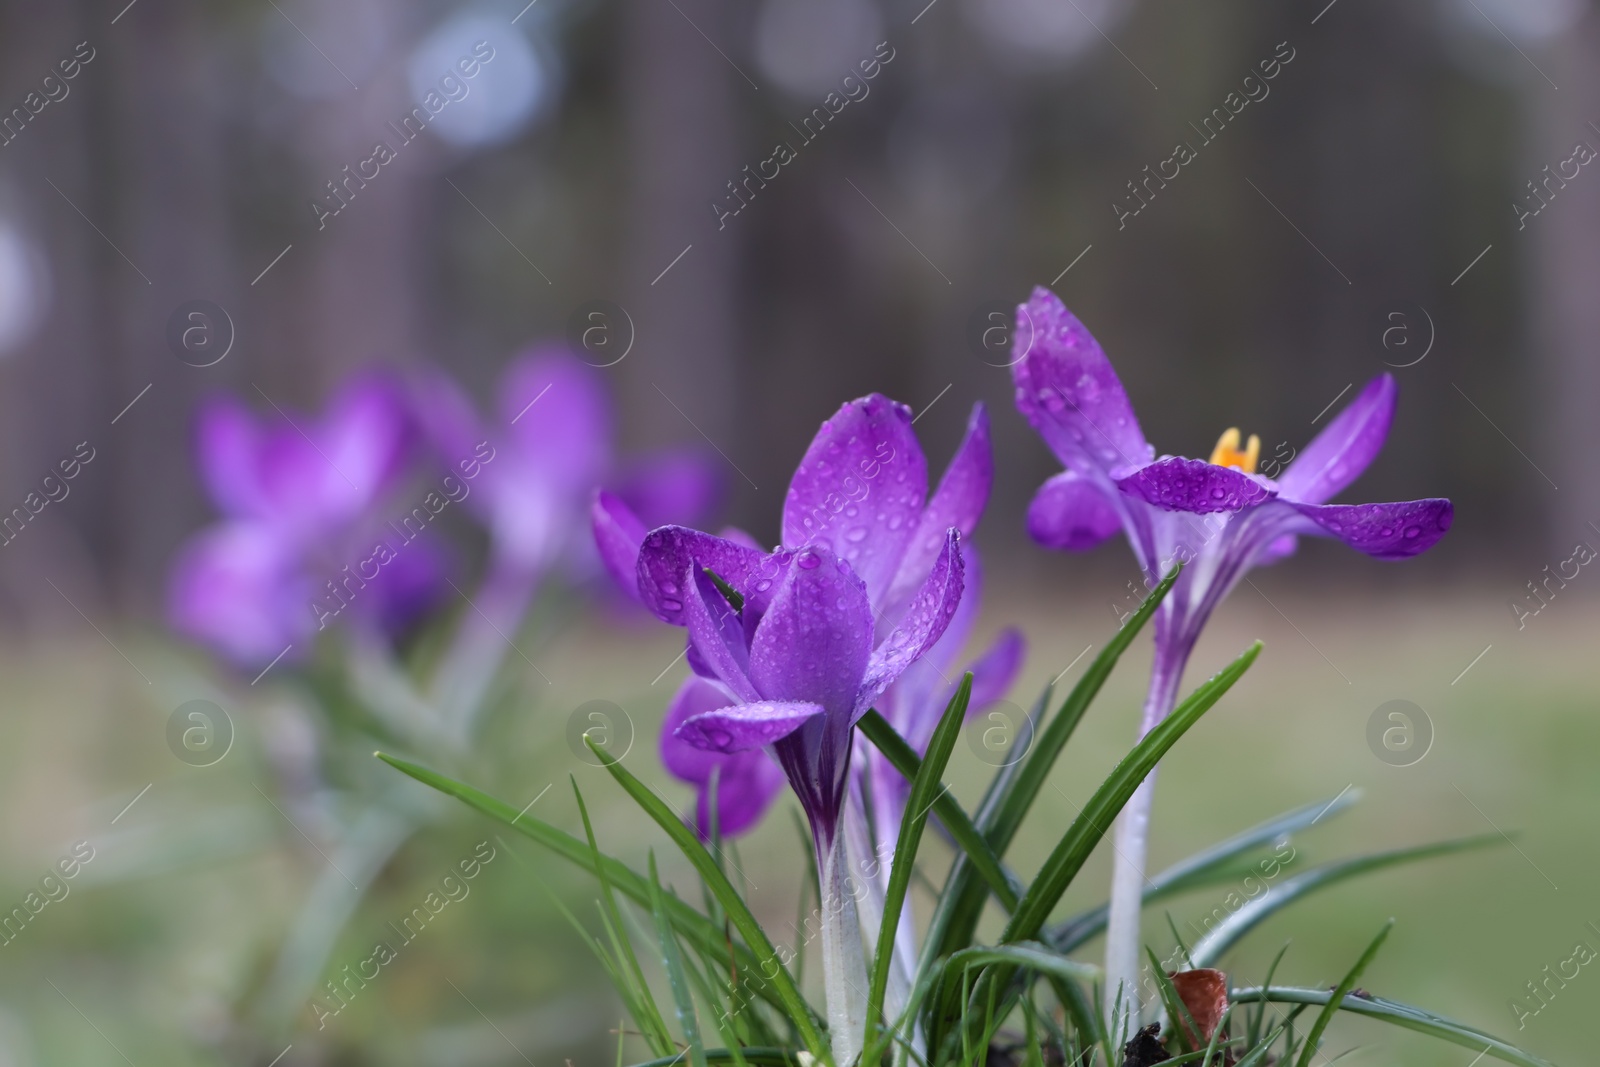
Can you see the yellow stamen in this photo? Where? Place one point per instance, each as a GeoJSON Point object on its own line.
{"type": "Point", "coordinates": [1227, 453]}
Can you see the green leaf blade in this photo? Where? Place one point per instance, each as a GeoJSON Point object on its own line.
{"type": "Point", "coordinates": [1397, 1014]}
{"type": "Point", "coordinates": [1210, 948]}
{"type": "Point", "coordinates": [798, 1011]}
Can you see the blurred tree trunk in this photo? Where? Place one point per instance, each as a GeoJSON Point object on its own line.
{"type": "Point", "coordinates": [1565, 270]}
{"type": "Point", "coordinates": [682, 110]}
{"type": "Point", "coordinates": [165, 196]}
{"type": "Point", "coordinates": [362, 292]}
{"type": "Point", "coordinates": [54, 387]}
{"type": "Point", "coordinates": [131, 152]}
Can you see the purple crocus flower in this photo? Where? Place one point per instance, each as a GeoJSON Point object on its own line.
{"type": "Point", "coordinates": [809, 636]}
{"type": "Point", "coordinates": [1218, 517]}
{"type": "Point", "coordinates": [914, 703]}
{"type": "Point", "coordinates": [298, 497]}
{"type": "Point", "coordinates": [834, 491]}
{"type": "Point", "coordinates": [552, 444]}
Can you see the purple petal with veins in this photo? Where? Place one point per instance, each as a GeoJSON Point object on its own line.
{"type": "Point", "coordinates": [1178, 484]}
{"type": "Point", "coordinates": [860, 490]}
{"type": "Point", "coordinates": [746, 726]}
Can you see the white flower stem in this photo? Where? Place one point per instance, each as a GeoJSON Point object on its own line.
{"type": "Point", "coordinates": [844, 971]}
{"type": "Point", "coordinates": [1122, 926]}
{"type": "Point", "coordinates": [1123, 942]}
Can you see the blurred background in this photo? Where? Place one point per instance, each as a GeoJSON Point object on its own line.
{"type": "Point", "coordinates": [1406, 191]}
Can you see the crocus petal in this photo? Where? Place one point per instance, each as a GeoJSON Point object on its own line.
{"type": "Point", "coordinates": [677, 485]}
{"type": "Point", "coordinates": [236, 587]}
{"type": "Point", "coordinates": [227, 447]}
{"type": "Point", "coordinates": [403, 587]}
{"type": "Point", "coordinates": [860, 489]}
{"type": "Point", "coordinates": [1338, 455]}
{"type": "Point", "coordinates": [747, 782]}
{"type": "Point", "coordinates": [814, 642]}
{"type": "Point", "coordinates": [447, 418]}
{"type": "Point", "coordinates": [746, 726]}
{"type": "Point", "coordinates": [924, 623]}
{"type": "Point", "coordinates": [317, 473]}
{"type": "Point", "coordinates": [995, 670]}
{"type": "Point", "coordinates": [746, 786]}
{"type": "Point", "coordinates": [740, 537]}
{"type": "Point", "coordinates": [665, 557]}
{"type": "Point", "coordinates": [1068, 392]}
{"type": "Point", "coordinates": [1386, 531]}
{"type": "Point", "coordinates": [1072, 512]}
{"type": "Point", "coordinates": [618, 533]}
{"type": "Point", "coordinates": [557, 415]}
{"type": "Point", "coordinates": [1193, 485]}
{"type": "Point", "coordinates": [716, 636]}
{"type": "Point", "coordinates": [1280, 548]}
{"type": "Point", "coordinates": [959, 501]}
{"type": "Point", "coordinates": [365, 434]}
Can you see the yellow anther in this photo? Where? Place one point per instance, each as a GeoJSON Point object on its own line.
{"type": "Point", "coordinates": [1227, 453]}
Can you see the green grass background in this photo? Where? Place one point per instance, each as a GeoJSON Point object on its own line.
{"type": "Point", "coordinates": [177, 916]}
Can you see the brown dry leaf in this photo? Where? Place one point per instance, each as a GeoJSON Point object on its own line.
{"type": "Point", "coordinates": [1205, 993]}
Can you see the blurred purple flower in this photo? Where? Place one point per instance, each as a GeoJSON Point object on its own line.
{"type": "Point", "coordinates": [553, 437]}
{"type": "Point", "coordinates": [297, 497]}
{"type": "Point", "coordinates": [1218, 517]}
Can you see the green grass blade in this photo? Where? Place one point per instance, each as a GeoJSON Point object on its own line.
{"type": "Point", "coordinates": [649, 1015]}
{"type": "Point", "coordinates": [1261, 1011]}
{"type": "Point", "coordinates": [1210, 866]}
{"type": "Point", "coordinates": [708, 938]}
{"type": "Point", "coordinates": [724, 1019]}
{"type": "Point", "coordinates": [1231, 930]}
{"type": "Point", "coordinates": [1092, 823]}
{"type": "Point", "coordinates": [1216, 1036]}
{"type": "Point", "coordinates": [795, 1007]}
{"type": "Point", "coordinates": [1259, 1053]}
{"type": "Point", "coordinates": [966, 834]}
{"type": "Point", "coordinates": [1397, 1014]}
{"type": "Point", "coordinates": [1084, 1015]}
{"type": "Point", "coordinates": [672, 963]}
{"type": "Point", "coordinates": [926, 788]}
{"type": "Point", "coordinates": [754, 1055]}
{"type": "Point", "coordinates": [1325, 1016]}
{"type": "Point", "coordinates": [1182, 1023]}
{"type": "Point", "coordinates": [1001, 818]}
{"type": "Point", "coordinates": [963, 898]}
{"type": "Point", "coordinates": [811, 885]}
